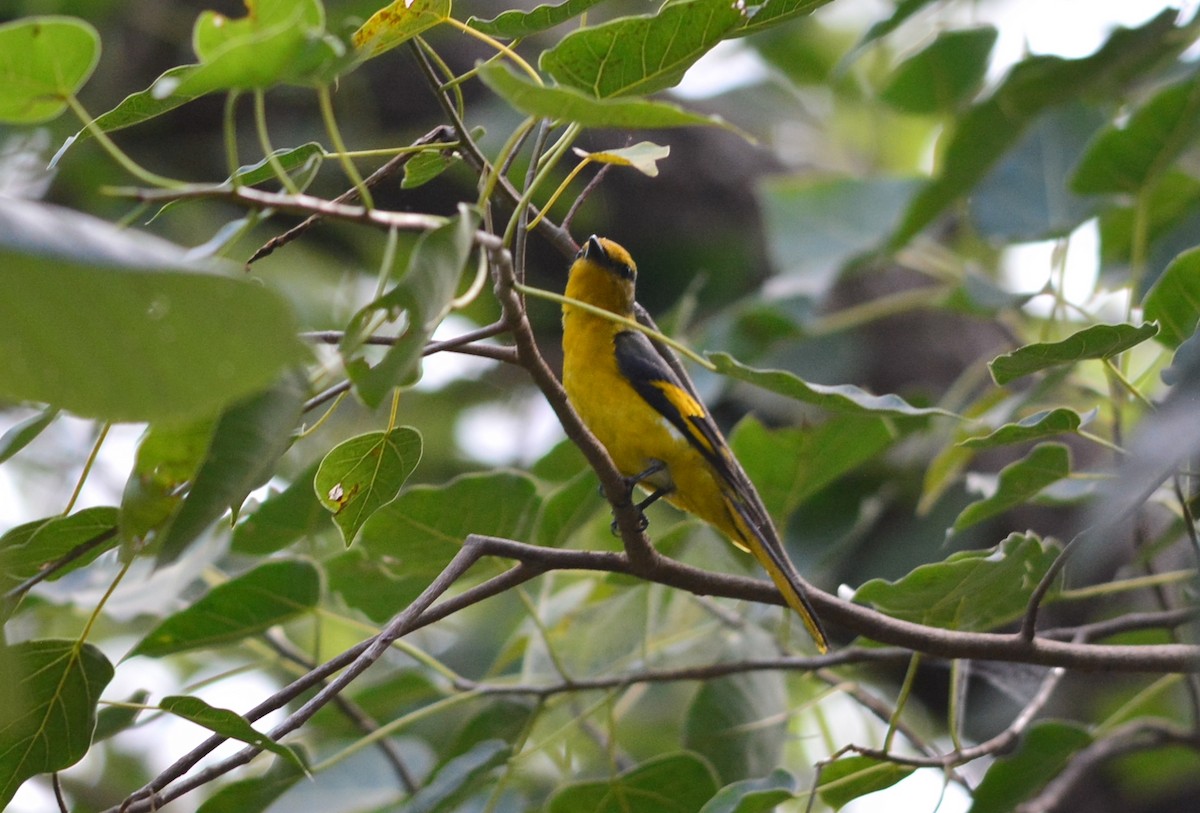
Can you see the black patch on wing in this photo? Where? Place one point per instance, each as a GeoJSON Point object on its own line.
{"type": "Point", "coordinates": [640, 361]}
{"type": "Point", "coordinates": [642, 365]}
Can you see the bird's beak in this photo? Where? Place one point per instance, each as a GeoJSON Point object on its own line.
{"type": "Point", "coordinates": [593, 250]}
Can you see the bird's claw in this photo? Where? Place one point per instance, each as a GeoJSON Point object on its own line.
{"type": "Point", "coordinates": [642, 524]}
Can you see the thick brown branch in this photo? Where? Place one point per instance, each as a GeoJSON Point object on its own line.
{"type": "Point", "coordinates": [616, 490]}
{"type": "Point", "coordinates": [864, 621]}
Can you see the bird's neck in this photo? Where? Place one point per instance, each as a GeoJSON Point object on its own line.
{"type": "Point", "coordinates": [600, 290]}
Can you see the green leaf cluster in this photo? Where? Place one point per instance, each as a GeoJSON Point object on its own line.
{"type": "Point", "coordinates": [283, 456]}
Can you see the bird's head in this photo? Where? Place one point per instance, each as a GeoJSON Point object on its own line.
{"type": "Point", "coordinates": [603, 275]}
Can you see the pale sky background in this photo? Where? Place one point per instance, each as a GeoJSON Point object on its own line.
{"type": "Point", "coordinates": [1066, 27]}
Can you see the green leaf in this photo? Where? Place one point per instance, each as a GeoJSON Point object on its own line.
{"type": "Point", "coordinates": [398, 22]}
{"type": "Point", "coordinates": [247, 442]}
{"type": "Point", "coordinates": [790, 465]}
{"type": "Point", "coordinates": [1026, 195]}
{"type": "Point", "coordinates": [739, 724]}
{"type": "Point", "coordinates": [256, 794]}
{"type": "Point", "coordinates": [215, 33]}
{"type": "Point", "coordinates": [754, 795]}
{"type": "Point", "coordinates": [21, 434]}
{"type": "Point", "coordinates": [1019, 482]}
{"type": "Point", "coordinates": [971, 590]}
{"type": "Point", "coordinates": [278, 41]}
{"type": "Point", "coordinates": [815, 227]}
{"type": "Point", "coordinates": [283, 518]}
{"type": "Point", "coordinates": [672, 783]}
{"type": "Point", "coordinates": [359, 475]}
{"type": "Point", "coordinates": [150, 339]}
{"type": "Point", "coordinates": [226, 723]}
{"type": "Point", "coordinates": [991, 128]}
{"type": "Point", "coordinates": [46, 722]}
{"type": "Point", "coordinates": [289, 158]}
{"type": "Point", "coordinates": [1039, 425]}
{"type": "Point", "coordinates": [408, 542]}
{"type": "Point", "coordinates": [168, 458]}
{"type": "Point", "coordinates": [1041, 755]}
{"type": "Point", "coordinates": [24, 550]}
{"type": "Point", "coordinates": [112, 720]}
{"type": "Point", "coordinates": [503, 719]}
{"type": "Point", "coordinates": [1174, 300]}
{"type": "Point", "coordinates": [456, 779]}
{"type": "Point", "coordinates": [774, 12]}
{"type": "Point", "coordinates": [138, 107]}
{"type": "Point", "coordinates": [640, 55]}
{"type": "Point", "coordinates": [46, 61]}
{"type": "Point", "coordinates": [1165, 215]}
{"type": "Point", "coordinates": [980, 296]}
{"type": "Point", "coordinates": [840, 398]}
{"type": "Point", "coordinates": [1130, 158]}
{"type": "Point", "coordinates": [903, 11]}
{"type": "Point", "coordinates": [518, 23]}
{"type": "Point", "coordinates": [944, 75]}
{"type": "Point", "coordinates": [423, 168]}
{"type": "Point", "coordinates": [423, 296]}
{"type": "Point", "coordinates": [568, 104]}
{"type": "Point", "coordinates": [566, 509]}
{"type": "Point", "coordinates": [255, 601]}
{"type": "Point", "coordinates": [1095, 342]}
{"type": "Point", "coordinates": [848, 778]}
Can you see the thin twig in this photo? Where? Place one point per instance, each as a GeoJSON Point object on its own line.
{"type": "Point", "coordinates": [1129, 622]}
{"type": "Point", "coordinates": [48, 570]}
{"type": "Point", "coordinates": [1029, 622]}
{"type": "Point", "coordinates": [996, 745]}
{"type": "Point", "coordinates": [849, 655]}
{"type": "Point", "coordinates": [137, 800]}
{"type": "Point", "coordinates": [883, 711]}
{"type": "Point", "coordinates": [401, 624]}
{"type": "Point", "coordinates": [558, 236]}
{"type": "Point", "coordinates": [591, 187]}
{"type": "Point", "coordinates": [437, 134]}
{"type": "Point", "coordinates": [1140, 735]}
{"type": "Point", "coordinates": [327, 395]}
{"type": "Point", "coordinates": [351, 710]}
{"type": "Point", "coordinates": [56, 783]}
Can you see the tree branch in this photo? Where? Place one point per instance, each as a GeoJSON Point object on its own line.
{"type": "Point", "coordinates": [1140, 735]}
{"type": "Point", "coordinates": [13, 595]}
{"type": "Point", "coordinates": [437, 134]}
{"type": "Point", "coordinates": [628, 518]}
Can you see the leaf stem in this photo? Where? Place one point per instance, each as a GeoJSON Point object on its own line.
{"type": "Point", "coordinates": [541, 293]}
{"type": "Point", "coordinates": [335, 135]}
{"type": "Point", "coordinates": [264, 142]}
{"type": "Point", "coordinates": [87, 467]}
{"type": "Point", "coordinates": [229, 128]}
{"type": "Point", "coordinates": [562, 187]}
{"type": "Point", "coordinates": [128, 164]}
{"type": "Point", "coordinates": [499, 46]}
{"type": "Point", "coordinates": [1119, 375]}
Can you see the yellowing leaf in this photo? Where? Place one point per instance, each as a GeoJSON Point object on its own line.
{"type": "Point", "coordinates": [642, 156]}
{"type": "Point", "coordinates": [397, 23]}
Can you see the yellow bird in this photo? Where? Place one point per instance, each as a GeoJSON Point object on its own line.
{"type": "Point", "coordinates": [646, 413]}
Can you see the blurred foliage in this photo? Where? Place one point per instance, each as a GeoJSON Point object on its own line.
{"type": "Point", "coordinates": [846, 210]}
